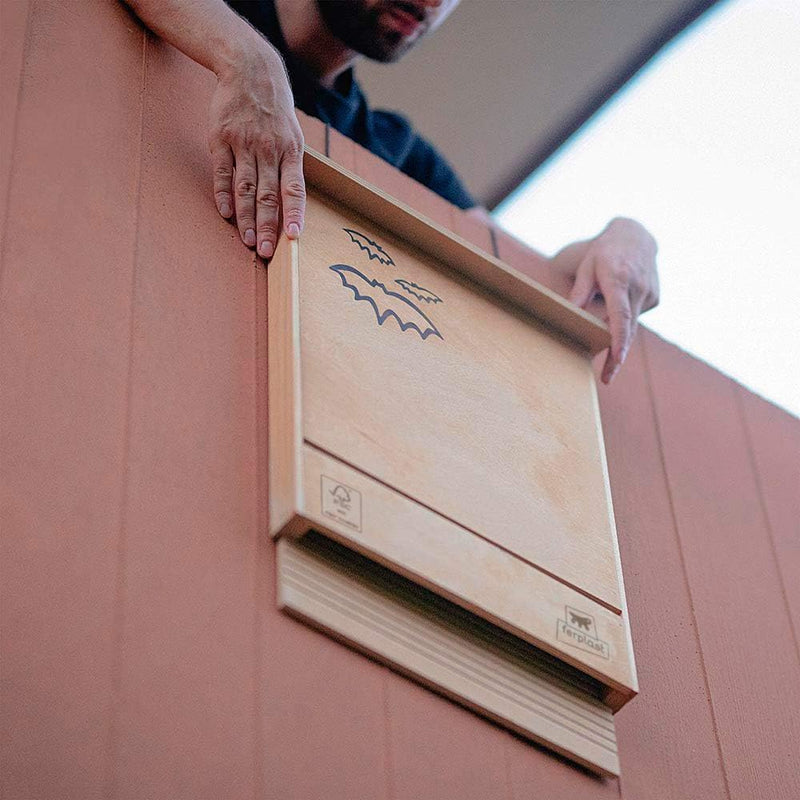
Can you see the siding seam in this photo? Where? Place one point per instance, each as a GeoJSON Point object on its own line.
{"type": "Point", "coordinates": [751, 454]}
{"type": "Point", "coordinates": [14, 136]}
{"type": "Point", "coordinates": [662, 459]}
{"type": "Point", "coordinates": [261, 527]}
{"type": "Point", "coordinates": [387, 741]}
{"type": "Point", "coordinates": [112, 747]}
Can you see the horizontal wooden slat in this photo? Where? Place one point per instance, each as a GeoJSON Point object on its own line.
{"type": "Point", "coordinates": [460, 656]}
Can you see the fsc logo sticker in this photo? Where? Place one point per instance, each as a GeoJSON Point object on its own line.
{"type": "Point", "coordinates": [340, 502]}
{"type": "Point", "coordinates": [578, 629]}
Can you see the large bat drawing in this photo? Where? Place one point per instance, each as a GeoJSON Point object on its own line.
{"type": "Point", "coordinates": [384, 302]}
{"type": "Point", "coordinates": [420, 292]}
{"type": "Point", "coordinates": [372, 249]}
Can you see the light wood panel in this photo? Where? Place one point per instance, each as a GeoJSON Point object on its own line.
{"type": "Point", "coordinates": [285, 404]}
{"type": "Point", "coordinates": [185, 715]}
{"type": "Point", "coordinates": [313, 131]}
{"type": "Point", "coordinates": [445, 558]}
{"type": "Point", "coordinates": [65, 316]}
{"type": "Point", "coordinates": [745, 633]}
{"type": "Point", "coordinates": [443, 245]}
{"type": "Point", "coordinates": [492, 423]}
{"type": "Point", "coordinates": [408, 628]}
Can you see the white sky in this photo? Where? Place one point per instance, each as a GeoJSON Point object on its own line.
{"type": "Point", "coordinates": [703, 147]}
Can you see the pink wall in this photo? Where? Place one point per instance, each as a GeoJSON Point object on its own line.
{"type": "Point", "coordinates": [142, 653]}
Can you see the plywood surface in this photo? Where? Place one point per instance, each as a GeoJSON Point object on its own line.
{"type": "Point", "coordinates": [471, 409]}
{"type": "Point", "coordinates": [466, 569]}
{"type": "Point", "coordinates": [434, 238]}
{"type": "Point", "coordinates": [437, 643]}
{"type": "Point", "coordinates": [285, 420]}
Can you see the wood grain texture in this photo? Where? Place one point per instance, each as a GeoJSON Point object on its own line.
{"type": "Point", "coordinates": [472, 229]}
{"type": "Point", "coordinates": [745, 632]}
{"type": "Point", "coordinates": [313, 130]}
{"type": "Point", "coordinates": [466, 569]}
{"type": "Point", "coordinates": [518, 255]}
{"type": "Point", "coordinates": [185, 708]}
{"type": "Point", "coordinates": [667, 738]}
{"type": "Point", "coordinates": [443, 647]}
{"type": "Point", "coordinates": [502, 280]}
{"type": "Point", "coordinates": [469, 430]}
{"type": "Point", "coordinates": [774, 441]}
{"type": "Point", "coordinates": [65, 315]}
{"type": "Point", "coordinates": [285, 405]}
{"type": "Point", "coordinates": [341, 150]}
{"type": "Point", "coordinates": [13, 33]}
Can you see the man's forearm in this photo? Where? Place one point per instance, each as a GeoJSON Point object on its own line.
{"type": "Point", "coordinates": [208, 31]}
{"type": "Point", "coordinates": [255, 138]}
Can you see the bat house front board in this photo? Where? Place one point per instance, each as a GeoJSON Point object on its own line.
{"type": "Point", "coordinates": [423, 418]}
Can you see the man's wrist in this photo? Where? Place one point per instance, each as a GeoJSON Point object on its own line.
{"type": "Point", "coordinates": [243, 51]}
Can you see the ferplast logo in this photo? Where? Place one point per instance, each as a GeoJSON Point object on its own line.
{"type": "Point", "coordinates": [578, 629]}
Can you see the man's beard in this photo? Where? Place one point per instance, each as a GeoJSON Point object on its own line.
{"type": "Point", "coordinates": [360, 29]}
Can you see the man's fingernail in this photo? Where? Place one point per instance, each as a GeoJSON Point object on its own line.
{"type": "Point", "coordinates": [623, 355]}
{"type": "Point", "coordinates": [265, 250]}
{"type": "Point", "coordinates": [250, 237]}
{"type": "Point", "coordinates": [225, 209]}
{"type": "Point", "coordinates": [293, 230]}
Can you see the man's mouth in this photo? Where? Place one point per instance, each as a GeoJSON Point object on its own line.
{"type": "Point", "coordinates": [405, 18]}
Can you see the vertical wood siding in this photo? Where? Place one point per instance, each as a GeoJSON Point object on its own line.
{"type": "Point", "coordinates": [143, 656]}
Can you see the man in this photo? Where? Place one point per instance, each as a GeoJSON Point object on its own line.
{"type": "Point", "coordinates": [257, 145]}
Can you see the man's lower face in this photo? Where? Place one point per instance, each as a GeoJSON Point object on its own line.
{"type": "Point", "coordinates": [382, 30]}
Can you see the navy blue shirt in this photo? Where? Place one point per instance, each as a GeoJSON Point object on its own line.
{"type": "Point", "coordinates": [344, 107]}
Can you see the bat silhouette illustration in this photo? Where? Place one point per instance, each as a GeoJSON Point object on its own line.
{"type": "Point", "coordinates": [385, 303]}
{"type": "Point", "coordinates": [372, 249]}
{"type": "Point", "coordinates": [420, 292]}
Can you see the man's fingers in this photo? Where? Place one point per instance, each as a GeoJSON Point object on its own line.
{"type": "Point", "coordinates": [583, 288]}
{"type": "Point", "coordinates": [244, 192]}
{"type": "Point", "coordinates": [222, 164]}
{"type": "Point", "coordinates": [293, 192]}
{"type": "Point", "coordinates": [620, 323]}
{"type": "Point", "coordinates": [267, 206]}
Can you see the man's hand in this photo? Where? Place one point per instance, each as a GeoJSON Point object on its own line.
{"type": "Point", "coordinates": [256, 142]}
{"type": "Point", "coordinates": [257, 151]}
{"type": "Point", "coordinates": [614, 277]}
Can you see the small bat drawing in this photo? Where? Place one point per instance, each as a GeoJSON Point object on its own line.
{"type": "Point", "coordinates": [384, 302]}
{"type": "Point", "coordinates": [581, 622]}
{"type": "Point", "coordinates": [420, 292]}
{"type": "Point", "coordinates": [372, 249]}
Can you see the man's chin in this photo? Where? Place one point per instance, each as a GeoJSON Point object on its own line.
{"type": "Point", "coordinates": [366, 31]}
